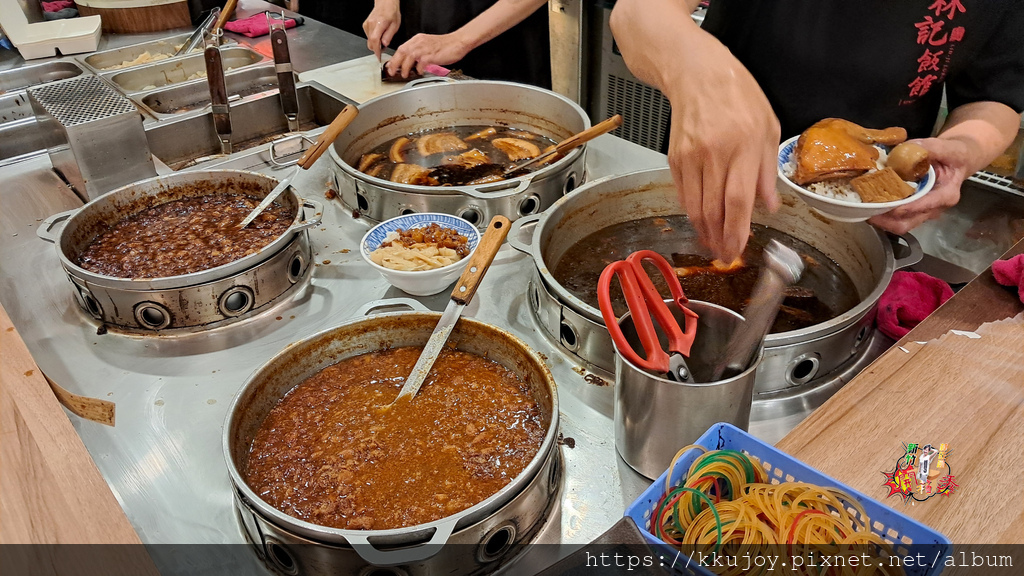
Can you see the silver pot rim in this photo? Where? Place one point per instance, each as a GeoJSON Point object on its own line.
{"type": "Point", "coordinates": [447, 524]}
{"type": "Point", "coordinates": [778, 339]}
{"type": "Point", "coordinates": [195, 278]}
{"type": "Point", "coordinates": [485, 191]}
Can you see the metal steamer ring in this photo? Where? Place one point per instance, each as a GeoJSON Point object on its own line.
{"type": "Point", "coordinates": [203, 306]}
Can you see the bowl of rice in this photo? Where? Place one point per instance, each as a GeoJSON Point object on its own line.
{"type": "Point", "coordinates": [836, 199]}
{"type": "Point", "coordinates": [420, 254]}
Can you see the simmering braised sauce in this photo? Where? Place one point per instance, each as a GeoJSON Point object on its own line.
{"type": "Point", "coordinates": [183, 237]}
{"type": "Point", "coordinates": [454, 156]}
{"type": "Point", "coordinates": [823, 292]}
{"type": "Point", "coordinates": [332, 454]}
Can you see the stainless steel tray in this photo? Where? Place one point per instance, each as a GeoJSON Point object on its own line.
{"type": "Point", "coordinates": [102, 62]}
{"type": "Point", "coordinates": [152, 76]}
{"type": "Point", "coordinates": [27, 76]}
{"type": "Point", "coordinates": [178, 99]}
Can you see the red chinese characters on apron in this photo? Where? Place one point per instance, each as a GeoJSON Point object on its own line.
{"type": "Point", "coordinates": [938, 35]}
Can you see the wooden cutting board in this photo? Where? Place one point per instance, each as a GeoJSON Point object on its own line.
{"type": "Point", "coordinates": [957, 378]}
{"type": "Point", "coordinates": [357, 79]}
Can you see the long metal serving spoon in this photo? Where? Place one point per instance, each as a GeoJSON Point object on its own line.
{"type": "Point", "coordinates": [464, 290]}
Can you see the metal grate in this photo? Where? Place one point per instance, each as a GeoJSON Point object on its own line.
{"type": "Point", "coordinates": [81, 100]}
{"type": "Point", "coordinates": [996, 181]}
{"type": "Point", "coordinates": [645, 111]}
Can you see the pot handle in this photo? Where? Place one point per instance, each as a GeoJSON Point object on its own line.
{"type": "Point", "coordinates": [374, 305]}
{"type": "Point", "coordinates": [514, 234]}
{"type": "Point", "coordinates": [45, 229]}
{"type": "Point", "coordinates": [411, 555]}
{"type": "Point", "coordinates": [486, 191]}
{"type": "Point", "coordinates": [912, 243]}
{"type": "Point", "coordinates": [318, 215]}
{"type": "Point", "coordinates": [282, 163]}
{"type": "Point", "coordinates": [429, 80]}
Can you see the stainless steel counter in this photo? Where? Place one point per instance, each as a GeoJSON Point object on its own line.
{"type": "Point", "coordinates": [163, 459]}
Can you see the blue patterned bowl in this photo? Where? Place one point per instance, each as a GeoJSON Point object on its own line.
{"type": "Point", "coordinates": [844, 210]}
{"type": "Point", "coordinates": [421, 282]}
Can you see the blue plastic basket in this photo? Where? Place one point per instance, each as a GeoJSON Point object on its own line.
{"type": "Point", "coordinates": [895, 528]}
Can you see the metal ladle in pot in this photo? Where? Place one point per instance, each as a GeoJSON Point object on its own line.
{"type": "Point", "coordinates": [783, 266]}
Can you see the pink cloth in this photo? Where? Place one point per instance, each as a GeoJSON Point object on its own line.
{"type": "Point", "coordinates": [255, 25]}
{"type": "Point", "coordinates": [1010, 273]}
{"type": "Point", "coordinates": [57, 5]}
{"type": "Point", "coordinates": [909, 299]}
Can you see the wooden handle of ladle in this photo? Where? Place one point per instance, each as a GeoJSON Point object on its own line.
{"type": "Point", "coordinates": [229, 9]}
{"type": "Point", "coordinates": [327, 137]}
{"type": "Point", "coordinates": [481, 259]}
{"type": "Point", "coordinates": [589, 134]}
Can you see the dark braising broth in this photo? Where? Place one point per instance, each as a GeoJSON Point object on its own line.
{"type": "Point", "coordinates": [823, 292]}
{"type": "Point", "coordinates": [454, 156]}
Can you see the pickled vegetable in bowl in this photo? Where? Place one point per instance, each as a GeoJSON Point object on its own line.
{"type": "Point", "coordinates": [420, 254]}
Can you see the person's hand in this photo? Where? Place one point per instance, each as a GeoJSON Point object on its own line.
{"type": "Point", "coordinates": [381, 25]}
{"type": "Point", "coordinates": [723, 148]}
{"type": "Point", "coordinates": [949, 158]}
{"type": "Point", "coordinates": [423, 50]}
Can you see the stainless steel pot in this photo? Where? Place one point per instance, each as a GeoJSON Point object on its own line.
{"type": "Point", "coordinates": [462, 543]}
{"type": "Point", "coordinates": [438, 105]}
{"type": "Point", "coordinates": [204, 299]}
{"type": "Point", "coordinates": [791, 359]}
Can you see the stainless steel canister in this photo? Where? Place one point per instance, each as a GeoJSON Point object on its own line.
{"type": "Point", "coordinates": [655, 416]}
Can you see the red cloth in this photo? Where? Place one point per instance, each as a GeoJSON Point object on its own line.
{"type": "Point", "coordinates": [255, 25]}
{"type": "Point", "coordinates": [909, 299]}
{"type": "Point", "coordinates": [57, 5]}
{"type": "Point", "coordinates": [1010, 273]}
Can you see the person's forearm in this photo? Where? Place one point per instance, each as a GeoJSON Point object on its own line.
{"type": "Point", "coordinates": [654, 33]}
{"type": "Point", "coordinates": [503, 15]}
{"type": "Point", "coordinates": [987, 128]}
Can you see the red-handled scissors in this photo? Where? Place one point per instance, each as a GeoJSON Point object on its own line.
{"type": "Point", "coordinates": [647, 306]}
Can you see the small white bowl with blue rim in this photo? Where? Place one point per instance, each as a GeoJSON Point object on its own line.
{"type": "Point", "coordinates": [420, 282]}
{"type": "Point", "coordinates": [842, 210]}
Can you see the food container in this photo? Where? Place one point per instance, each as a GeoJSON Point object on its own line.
{"type": "Point", "coordinates": [654, 415]}
{"type": "Point", "coordinates": [174, 71]}
{"type": "Point", "coordinates": [439, 104]}
{"type": "Point", "coordinates": [419, 282]}
{"type": "Point", "coordinates": [199, 300]}
{"type": "Point", "coordinates": [843, 210]}
{"type": "Point", "coordinates": [907, 536]}
{"type": "Point", "coordinates": [471, 541]}
{"type": "Point", "coordinates": [104, 60]}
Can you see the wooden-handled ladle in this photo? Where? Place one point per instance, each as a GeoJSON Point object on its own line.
{"type": "Point", "coordinates": [327, 137]}
{"type": "Point", "coordinates": [568, 144]}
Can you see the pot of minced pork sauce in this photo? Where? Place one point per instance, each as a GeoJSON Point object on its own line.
{"type": "Point", "coordinates": [333, 476]}
{"type": "Point", "coordinates": [165, 255]}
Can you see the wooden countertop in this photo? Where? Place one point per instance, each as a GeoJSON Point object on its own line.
{"type": "Point", "coordinates": [965, 390]}
{"type": "Point", "coordinates": [50, 489]}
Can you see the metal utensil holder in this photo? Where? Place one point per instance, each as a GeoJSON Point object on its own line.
{"type": "Point", "coordinates": [105, 144]}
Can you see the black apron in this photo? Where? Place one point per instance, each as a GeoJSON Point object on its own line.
{"type": "Point", "coordinates": [521, 54]}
